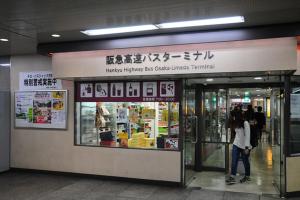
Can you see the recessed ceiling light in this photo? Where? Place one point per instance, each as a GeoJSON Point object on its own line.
{"type": "Point", "coordinates": [5, 64]}
{"type": "Point", "coordinates": [127, 29]}
{"type": "Point", "coordinates": [258, 95]}
{"type": "Point", "coordinates": [209, 79]}
{"type": "Point", "coordinates": [203, 22]}
{"type": "Point", "coordinates": [55, 35]}
{"type": "Point", "coordinates": [257, 90]}
{"type": "Point", "coordinates": [4, 40]}
{"type": "Point", "coordinates": [258, 78]}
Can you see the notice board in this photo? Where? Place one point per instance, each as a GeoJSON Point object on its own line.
{"type": "Point", "coordinates": [41, 109]}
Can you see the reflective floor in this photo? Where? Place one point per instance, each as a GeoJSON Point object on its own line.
{"type": "Point", "coordinates": [264, 172]}
{"type": "Point", "coordinates": [39, 186]}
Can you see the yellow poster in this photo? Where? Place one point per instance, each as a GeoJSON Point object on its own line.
{"type": "Point", "coordinates": [58, 95]}
{"type": "Point", "coordinates": [133, 115]}
{"type": "Point", "coordinates": [148, 113]}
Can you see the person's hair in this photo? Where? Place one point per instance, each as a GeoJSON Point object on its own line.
{"type": "Point", "coordinates": [249, 114]}
{"type": "Point", "coordinates": [249, 107]}
{"type": "Point", "coordinates": [239, 120]}
{"type": "Point", "coordinates": [259, 108]}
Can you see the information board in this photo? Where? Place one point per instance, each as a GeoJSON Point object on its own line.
{"type": "Point", "coordinates": [41, 109]}
{"type": "Point", "coordinates": [138, 91]}
{"type": "Point", "coordinates": [295, 106]}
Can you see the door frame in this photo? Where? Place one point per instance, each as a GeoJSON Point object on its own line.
{"type": "Point", "coordinates": [200, 89]}
{"type": "Point", "coordinates": [284, 83]}
{"type": "Point", "coordinates": [200, 94]}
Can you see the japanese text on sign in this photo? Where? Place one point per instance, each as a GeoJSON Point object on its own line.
{"type": "Point", "coordinates": [158, 57]}
{"type": "Point", "coordinates": [38, 80]}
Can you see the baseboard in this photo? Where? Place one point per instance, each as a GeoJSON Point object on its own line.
{"type": "Point", "coordinates": [102, 177]}
{"type": "Point", "coordinates": [2, 172]}
{"type": "Point", "coordinates": [292, 194]}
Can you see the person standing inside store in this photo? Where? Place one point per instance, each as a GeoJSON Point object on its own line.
{"type": "Point", "coordinates": [261, 121]}
{"type": "Point", "coordinates": [241, 148]}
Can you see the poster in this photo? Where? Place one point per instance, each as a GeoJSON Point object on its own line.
{"type": "Point", "coordinates": [116, 90]}
{"type": "Point", "coordinates": [134, 115]}
{"type": "Point", "coordinates": [86, 90]}
{"type": "Point", "coordinates": [122, 115]}
{"type": "Point", "coordinates": [133, 89]}
{"type": "Point", "coordinates": [167, 89]}
{"type": "Point", "coordinates": [171, 143]}
{"type": "Point", "coordinates": [38, 80]}
{"type": "Point", "coordinates": [149, 89]}
{"type": "Point", "coordinates": [101, 90]}
{"type": "Point", "coordinates": [295, 106]}
{"type": "Point", "coordinates": [41, 109]}
{"type": "Point", "coordinates": [148, 113]}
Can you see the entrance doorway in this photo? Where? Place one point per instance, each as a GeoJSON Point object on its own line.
{"type": "Point", "coordinates": [208, 139]}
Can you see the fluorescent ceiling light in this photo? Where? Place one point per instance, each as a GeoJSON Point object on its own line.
{"type": "Point", "coordinates": [55, 35]}
{"type": "Point", "coordinates": [210, 79]}
{"type": "Point", "coordinates": [4, 40]}
{"type": "Point", "coordinates": [5, 64]}
{"type": "Point", "coordinates": [258, 78]}
{"type": "Point", "coordinates": [107, 31]}
{"type": "Point", "coordinates": [203, 22]}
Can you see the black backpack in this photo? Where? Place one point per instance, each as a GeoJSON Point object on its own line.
{"type": "Point", "coordinates": [253, 128]}
{"type": "Point", "coordinates": [253, 136]}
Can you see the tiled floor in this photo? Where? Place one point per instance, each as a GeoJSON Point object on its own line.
{"type": "Point", "coordinates": [35, 186]}
{"type": "Point", "coordinates": [263, 174]}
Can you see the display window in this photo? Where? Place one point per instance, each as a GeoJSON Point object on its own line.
{"type": "Point", "coordinates": [110, 122]}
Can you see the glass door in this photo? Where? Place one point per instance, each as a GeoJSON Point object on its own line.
{"type": "Point", "coordinates": [190, 132]}
{"type": "Point", "coordinates": [277, 116]}
{"type": "Point", "coordinates": [214, 144]}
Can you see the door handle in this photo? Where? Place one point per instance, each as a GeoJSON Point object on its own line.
{"type": "Point", "coordinates": [196, 130]}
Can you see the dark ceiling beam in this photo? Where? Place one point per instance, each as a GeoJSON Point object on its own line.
{"type": "Point", "coordinates": [225, 35]}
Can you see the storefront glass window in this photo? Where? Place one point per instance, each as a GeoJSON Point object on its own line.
{"type": "Point", "coordinates": [295, 122]}
{"type": "Point", "coordinates": [128, 124]}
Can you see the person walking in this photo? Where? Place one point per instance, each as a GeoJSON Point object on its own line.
{"type": "Point", "coordinates": [261, 121]}
{"type": "Point", "coordinates": [241, 148]}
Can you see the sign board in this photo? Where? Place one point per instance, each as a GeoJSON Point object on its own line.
{"type": "Point", "coordinates": [295, 106]}
{"type": "Point", "coordinates": [146, 91]}
{"type": "Point", "coordinates": [238, 56]}
{"type": "Point", "coordinates": [38, 80]}
{"type": "Point", "coordinates": [41, 109]}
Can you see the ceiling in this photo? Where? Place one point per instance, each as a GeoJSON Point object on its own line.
{"type": "Point", "coordinates": [235, 80]}
{"type": "Point", "coordinates": [29, 22]}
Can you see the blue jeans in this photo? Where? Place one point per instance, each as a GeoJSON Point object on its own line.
{"type": "Point", "coordinates": [236, 153]}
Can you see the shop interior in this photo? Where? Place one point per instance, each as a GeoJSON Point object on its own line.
{"type": "Point", "coordinates": [152, 125]}
{"type": "Point", "coordinates": [214, 147]}
{"type": "Point", "coordinates": [128, 114]}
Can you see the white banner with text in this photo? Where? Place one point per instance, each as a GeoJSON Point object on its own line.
{"type": "Point", "coordinates": [239, 56]}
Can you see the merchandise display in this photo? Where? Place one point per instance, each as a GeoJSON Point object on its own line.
{"type": "Point", "coordinates": [128, 124]}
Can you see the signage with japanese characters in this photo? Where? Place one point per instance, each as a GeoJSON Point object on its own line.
{"type": "Point", "coordinates": [41, 109]}
{"type": "Point", "coordinates": [237, 56]}
{"type": "Point", "coordinates": [165, 63]}
{"type": "Point", "coordinates": [151, 91]}
{"type": "Point", "coordinates": [38, 80]}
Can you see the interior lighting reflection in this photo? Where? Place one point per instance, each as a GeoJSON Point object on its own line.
{"type": "Point", "coordinates": [5, 65]}
{"type": "Point", "coordinates": [127, 29]}
{"type": "Point", "coordinates": [202, 22]}
{"type": "Point", "coordinates": [258, 78]}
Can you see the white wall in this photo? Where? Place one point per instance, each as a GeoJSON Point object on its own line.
{"type": "Point", "coordinates": [298, 61]}
{"type": "Point", "coordinates": [4, 119]}
{"type": "Point", "coordinates": [292, 174]}
{"type": "Point", "coordinates": [54, 150]}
